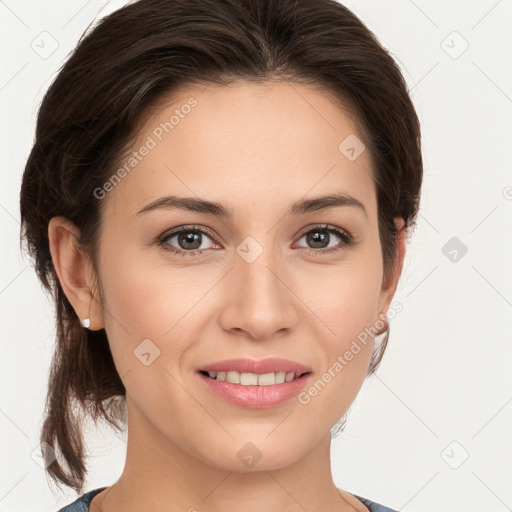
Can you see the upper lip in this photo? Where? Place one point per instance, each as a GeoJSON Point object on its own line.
{"type": "Point", "coordinates": [262, 366]}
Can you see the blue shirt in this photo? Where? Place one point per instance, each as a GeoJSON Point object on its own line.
{"type": "Point", "coordinates": [82, 503]}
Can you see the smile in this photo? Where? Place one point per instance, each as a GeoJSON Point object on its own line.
{"type": "Point", "coordinates": [253, 379]}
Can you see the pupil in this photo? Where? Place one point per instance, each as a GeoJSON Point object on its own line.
{"type": "Point", "coordinates": [189, 238]}
{"type": "Point", "coordinates": [318, 237]}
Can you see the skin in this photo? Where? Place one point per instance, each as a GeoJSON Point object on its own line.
{"type": "Point", "coordinates": [257, 149]}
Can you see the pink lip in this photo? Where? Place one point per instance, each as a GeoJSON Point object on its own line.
{"type": "Point", "coordinates": [255, 397]}
{"type": "Point", "coordinates": [262, 366]}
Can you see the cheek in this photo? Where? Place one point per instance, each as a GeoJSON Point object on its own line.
{"type": "Point", "coordinates": [148, 301]}
{"type": "Point", "coordinates": [347, 310]}
{"type": "Point", "coordinates": [346, 303]}
{"type": "Point", "coordinates": [133, 309]}
{"type": "Point", "coordinates": [345, 298]}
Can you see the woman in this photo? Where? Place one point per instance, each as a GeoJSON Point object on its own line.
{"type": "Point", "coordinates": [218, 197]}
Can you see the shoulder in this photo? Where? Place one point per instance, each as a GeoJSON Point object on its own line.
{"type": "Point", "coordinates": [363, 504]}
{"type": "Point", "coordinates": [81, 504]}
{"type": "Point", "coordinates": [374, 507]}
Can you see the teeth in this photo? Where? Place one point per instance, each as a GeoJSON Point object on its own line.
{"type": "Point", "coordinates": [289, 377]}
{"type": "Point", "coordinates": [233, 377]}
{"type": "Point", "coordinates": [247, 379]}
{"type": "Point", "coordinates": [253, 379]}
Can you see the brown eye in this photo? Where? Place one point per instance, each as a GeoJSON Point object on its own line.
{"type": "Point", "coordinates": [187, 241]}
{"type": "Point", "coordinates": [322, 239]}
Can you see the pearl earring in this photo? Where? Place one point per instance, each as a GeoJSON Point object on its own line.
{"type": "Point", "coordinates": [86, 322]}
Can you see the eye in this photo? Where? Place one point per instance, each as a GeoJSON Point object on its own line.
{"type": "Point", "coordinates": [320, 237]}
{"type": "Point", "coordinates": [189, 241]}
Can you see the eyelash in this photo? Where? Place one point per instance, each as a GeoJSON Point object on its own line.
{"type": "Point", "coordinates": [347, 240]}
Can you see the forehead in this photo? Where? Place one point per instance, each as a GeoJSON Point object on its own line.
{"type": "Point", "coordinates": [244, 144]}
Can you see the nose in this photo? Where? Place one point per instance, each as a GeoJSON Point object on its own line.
{"type": "Point", "coordinates": [259, 298]}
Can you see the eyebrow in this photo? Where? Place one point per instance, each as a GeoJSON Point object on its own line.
{"type": "Point", "coordinates": [302, 207]}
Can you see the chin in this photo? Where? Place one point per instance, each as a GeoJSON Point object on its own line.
{"type": "Point", "coordinates": [257, 453]}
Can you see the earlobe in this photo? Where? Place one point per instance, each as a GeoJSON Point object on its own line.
{"type": "Point", "coordinates": [73, 270]}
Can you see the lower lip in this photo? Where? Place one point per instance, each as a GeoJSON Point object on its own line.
{"type": "Point", "coordinates": [256, 397]}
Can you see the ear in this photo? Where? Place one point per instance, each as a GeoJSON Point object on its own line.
{"type": "Point", "coordinates": [388, 289]}
{"type": "Point", "coordinates": [74, 270]}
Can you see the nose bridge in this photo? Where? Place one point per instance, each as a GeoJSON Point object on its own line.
{"type": "Point", "coordinates": [257, 265]}
{"type": "Point", "coordinates": [260, 301]}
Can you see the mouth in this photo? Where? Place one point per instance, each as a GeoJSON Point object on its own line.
{"type": "Point", "coordinates": [254, 390]}
{"type": "Point", "coordinates": [253, 379]}
{"type": "Point", "coordinates": [255, 383]}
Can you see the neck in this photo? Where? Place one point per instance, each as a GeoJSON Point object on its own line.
{"type": "Point", "coordinates": [157, 471]}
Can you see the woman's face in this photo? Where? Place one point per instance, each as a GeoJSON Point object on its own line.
{"type": "Point", "coordinates": [247, 285]}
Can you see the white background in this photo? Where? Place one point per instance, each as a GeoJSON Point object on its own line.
{"type": "Point", "coordinates": [443, 392]}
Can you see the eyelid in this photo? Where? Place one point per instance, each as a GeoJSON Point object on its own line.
{"type": "Point", "coordinates": [188, 227]}
{"type": "Point", "coordinates": [326, 227]}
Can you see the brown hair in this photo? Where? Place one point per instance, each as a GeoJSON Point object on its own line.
{"type": "Point", "coordinates": [91, 113]}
